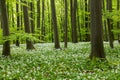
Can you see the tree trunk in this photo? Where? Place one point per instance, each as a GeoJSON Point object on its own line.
{"type": "Point", "coordinates": [29, 44]}
{"type": "Point", "coordinates": [43, 20]}
{"type": "Point", "coordinates": [78, 23]}
{"type": "Point", "coordinates": [18, 23]}
{"type": "Point", "coordinates": [38, 17]}
{"type": "Point", "coordinates": [5, 26]}
{"type": "Point", "coordinates": [49, 22]}
{"type": "Point", "coordinates": [118, 23]}
{"type": "Point", "coordinates": [75, 40]}
{"type": "Point", "coordinates": [73, 7]}
{"type": "Point", "coordinates": [87, 38]}
{"type": "Point", "coordinates": [54, 19]}
{"type": "Point", "coordinates": [105, 22]}
{"type": "Point", "coordinates": [71, 13]}
{"type": "Point", "coordinates": [66, 23]}
{"type": "Point", "coordinates": [12, 17]}
{"type": "Point", "coordinates": [97, 49]}
{"type": "Point", "coordinates": [0, 20]}
{"type": "Point", "coordinates": [110, 24]}
{"type": "Point", "coordinates": [21, 16]}
{"type": "Point", "coordinates": [32, 17]}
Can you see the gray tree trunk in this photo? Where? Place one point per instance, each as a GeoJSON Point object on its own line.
{"type": "Point", "coordinates": [110, 24]}
{"type": "Point", "coordinates": [55, 27]}
{"type": "Point", "coordinates": [29, 44]}
{"type": "Point", "coordinates": [73, 7]}
{"type": "Point", "coordinates": [5, 26]}
{"type": "Point", "coordinates": [32, 21]}
{"type": "Point", "coordinates": [118, 23]}
{"type": "Point", "coordinates": [18, 22]}
{"type": "Point", "coordinates": [38, 17]}
{"type": "Point", "coordinates": [66, 23]}
{"type": "Point", "coordinates": [43, 20]}
{"type": "Point", "coordinates": [97, 49]}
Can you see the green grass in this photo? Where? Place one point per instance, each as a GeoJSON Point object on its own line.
{"type": "Point", "coordinates": [46, 63]}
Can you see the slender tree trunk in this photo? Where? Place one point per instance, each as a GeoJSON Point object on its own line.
{"type": "Point", "coordinates": [75, 39]}
{"type": "Point", "coordinates": [97, 49]}
{"type": "Point", "coordinates": [118, 23]}
{"type": "Point", "coordinates": [61, 23]}
{"type": "Point", "coordinates": [43, 20]}
{"type": "Point", "coordinates": [38, 13]}
{"type": "Point", "coordinates": [21, 16]}
{"type": "Point", "coordinates": [105, 30]}
{"type": "Point", "coordinates": [0, 18]}
{"type": "Point", "coordinates": [18, 22]}
{"type": "Point", "coordinates": [52, 33]}
{"type": "Point", "coordinates": [29, 44]}
{"type": "Point", "coordinates": [66, 23]}
{"type": "Point", "coordinates": [38, 17]}
{"type": "Point", "coordinates": [73, 7]}
{"type": "Point", "coordinates": [110, 24]}
{"type": "Point", "coordinates": [32, 17]}
{"type": "Point", "coordinates": [5, 24]}
{"type": "Point", "coordinates": [105, 22]}
{"type": "Point", "coordinates": [49, 22]}
{"type": "Point", "coordinates": [71, 13]}
{"type": "Point", "coordinates": [54, 19]}
{"type": "Point", "coordinates": [78, 23]}
{"type": "Point", "coordinates": [87, 38]}
{"type": "Point", "coordinates": [13, 21]}
{"type": "Point", "coordinates": [79, 27]}
{"type": "Point", "coordinates": [12, 15]}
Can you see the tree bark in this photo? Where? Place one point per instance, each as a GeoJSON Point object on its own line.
{"type": "Point", "coordinates": [105, 22]}
{"type": "Point", "coordinates": [71, 13]}
{"type": "Point", "coordinates": [66, 23]}
{"type": "Point", "coordinates": [43, 20]}
{"type": "Point", "coordinates": [29, 44]}
{"type": "Point", "coordinates": [55, 27]}
{"type": "Point", "coordinates": [32, 17]}
{"type": "Point", "coordinates": [0, 21]}
{"type": "Point", "coordinates": [87, 38]}
{"type": "Point", "coordinates": [18, 22]}
{"type": "Point", "coordinates": [118, 23]}
{"type": "Point", "coordinates": [97, 49]}
{"type": "Point", "coordinates": [49, 23]}
{"type": "Point", "coordinates": [110, 24]}
{"type": "Point", "coordinates": [38, 17]}
{"type": "Point", "coordinates": [73, 7]}
{"type": "Point", "coordinates": [5, 26]}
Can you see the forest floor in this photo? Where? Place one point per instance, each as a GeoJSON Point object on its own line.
{"type": "Point", "coordinates": [47, 63]}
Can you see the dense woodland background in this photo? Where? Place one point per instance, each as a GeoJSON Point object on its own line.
{"type": "Point", "coordinates": [58, 21]}
{"type": "Point", "coordinates": [59, 39]}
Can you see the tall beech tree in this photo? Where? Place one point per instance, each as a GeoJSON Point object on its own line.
{"type": "Point", "coordinates": [97, 49]}
{"type": "Point", "coordinates": [29, 44]}
{"type": "Point", "coordinates": [110, 24]}
{"type": "Point", "coordinates": [55, 26]}
{"type": "Point", "coordinates": [87, 38]}
{"type": "Point", "coordinates": [32, 21]}
{"type": "Point", "coordinates": [66, 23]}
{"type": "Point", "coordinates": [5, 26]}
{"type": "Point", "coordinates": [0, 18]}
{"type": "Point", "coordinates": [18, 21]}
{"type": "Point", "coordinates": [105, 22]}
{"type": "Point", "coordinates": [73, 9]}
{"type": "Point", "coordinates": [38, 16]}
{"type": "Point", "coordinates": [118, 23]}
{"type": "Point", "coordinates": [43, 20]}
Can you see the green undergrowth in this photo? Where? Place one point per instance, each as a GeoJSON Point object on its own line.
{"type": "Point", "coordinates": [47, 63]}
